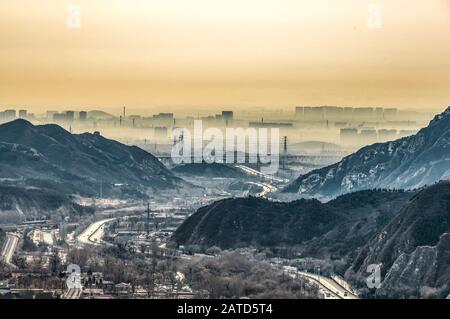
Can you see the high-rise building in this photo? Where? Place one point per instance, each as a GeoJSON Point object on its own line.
{"type": "Point", "coordinates": [23, 114]}
{"type": "Point", "coordinates": [369, 135]}
{"type": "Point", "coordinates": [347, 113]}
{"type": "Point", "coordinates": [300, 111]}
{"type": "Point", "coordinates": [313, 113]}
{"type": "Point", "coordinates": [390, 114]}
{"type": "Point", "coordinates": [318, 113]}
{"type": "Point", "coordinates": [364, 114]}
{"type": "Point", "coordinates": [227, 117]}
{"type": "Point", "coordinates": [59, 117]}
{"type": "Point", "coordinates": [83, 116]}
{"type": "Point", "coordinates": [163, 119]}
{"type": "Point", "coordinates": [9, 115]}
{"type": "Point", "coordinates": [50, 115]}
{"type": "Point", "coordinates": [332, 113]}
{"type": "Point", "coordinates": [349, 136]}
{"type": "Point", "coordinates": [161, 132]}
{"type": "Point", "coordinates": [70, 116]}
{"type": "Point", "coordinates": [134, 119]}
{"type": "Point", "coordinates": [379, 113]}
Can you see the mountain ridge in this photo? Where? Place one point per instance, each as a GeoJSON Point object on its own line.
{"type": "Point", "coordinates": [50, 153]}
{"type": "Point", "coordinates": [306, 224]}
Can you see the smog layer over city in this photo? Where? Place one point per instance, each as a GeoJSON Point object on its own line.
{"type": "Point", "coordinates": [225, 150]}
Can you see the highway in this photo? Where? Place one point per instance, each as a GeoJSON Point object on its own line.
{"type": "Point", "coordinates": [93, 235]}
{"type": "Point", "coordinates": [329, 285]}
{"type": "Point", "coordinates": [10, 247]}
{"type": "Point", "coordinates": [266, 188]}
{"type": "Point", "coordinates": [72, 293]}
{"type": "Point", "coordinates": [250, 171]}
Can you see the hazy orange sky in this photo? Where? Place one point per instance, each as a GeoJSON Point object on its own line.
{"type": "Point", "coordinates": [186, 54]}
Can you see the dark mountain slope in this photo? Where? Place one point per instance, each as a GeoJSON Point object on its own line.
{"type": "Point", "coordinates": [309, 225]}
{"type": "Point", "coordinates": [421, 223]}
{"type": "Point", "coordinates": [366, 213]}
{"type": "Point", "coordinates": [253, 221]}
{"type": "Point", "coordinates": [19, 204]}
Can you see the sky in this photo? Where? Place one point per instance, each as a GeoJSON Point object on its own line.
{"type": "Point", "coordinates": [189, 55]}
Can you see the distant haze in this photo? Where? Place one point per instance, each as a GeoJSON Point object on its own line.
{"type": "Point", "coordinates": [178, 55]}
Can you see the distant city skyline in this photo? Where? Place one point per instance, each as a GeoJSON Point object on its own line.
{"type": "Point", "coordinates": [197, 112]}
{"type": "Point", "coordinates": [322, 112]}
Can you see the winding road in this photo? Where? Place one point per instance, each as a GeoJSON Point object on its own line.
{"type": "Point", "coordinates": [10, 247]}
{"type": "Point", "coordinates": [93, 235]}
{"type": "Point", "coordinates": [266, 188]}
{"type": "Point", "coordinates": [329, 285]}
{"type": "Point", "coordinates": [251, 171]}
